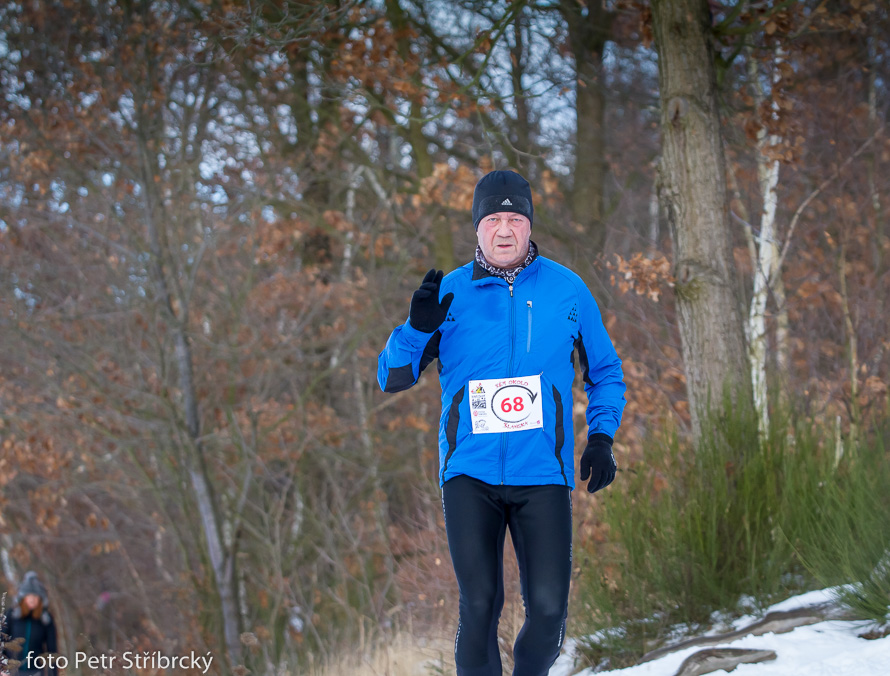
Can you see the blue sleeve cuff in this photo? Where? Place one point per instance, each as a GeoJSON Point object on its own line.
{"type": "Point", "coordinates": [414, 337]}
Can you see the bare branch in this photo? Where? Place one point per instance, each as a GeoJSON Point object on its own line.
{"type": "Point", "coordinates": [822, 186]}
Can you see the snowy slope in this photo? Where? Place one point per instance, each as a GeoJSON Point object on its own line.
{"type": "Point", "coordinates": [830, 648]}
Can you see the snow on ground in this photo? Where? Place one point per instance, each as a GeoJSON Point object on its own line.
{"type": "Point", "coordinates": [830, 648]}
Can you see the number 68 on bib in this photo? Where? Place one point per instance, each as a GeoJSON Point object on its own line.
{"type": "Point", "coordinates": [506, 404]}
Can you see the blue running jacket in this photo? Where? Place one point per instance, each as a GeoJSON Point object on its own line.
{"type": "Point", "coordinates": [494, 330]}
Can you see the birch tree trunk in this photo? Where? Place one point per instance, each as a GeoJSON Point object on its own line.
{"type": "Point", "coordinates": [693, 196]}
{"type": "Point", "coordinates": [766, 262]}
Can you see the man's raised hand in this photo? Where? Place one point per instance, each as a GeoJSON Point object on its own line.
{"type": "Point", "coordinates": [427, 313]}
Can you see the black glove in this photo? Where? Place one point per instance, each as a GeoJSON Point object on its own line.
{"type": "Point", "coordinates": [427, 313]}
{"type": "Point", "coordinates": [598, 462]}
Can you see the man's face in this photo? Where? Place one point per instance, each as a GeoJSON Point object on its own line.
{"type": "Point", "coordinates": [503, 238]}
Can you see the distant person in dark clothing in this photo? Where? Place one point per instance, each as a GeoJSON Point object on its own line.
{"type": "Point", "coordinates": [29, 628]}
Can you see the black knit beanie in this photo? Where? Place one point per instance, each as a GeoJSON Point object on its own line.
{"type": "Point", "coordinates": [502, 191]}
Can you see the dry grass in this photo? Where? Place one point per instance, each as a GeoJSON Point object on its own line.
{"type": "Point", "coordinates": [417, 656]}
{"type": "Point", "coordinates": [409, 655]}
{"type": "Point", "coordinates": [404, 656]}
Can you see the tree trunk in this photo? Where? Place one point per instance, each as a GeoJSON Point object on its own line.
{"type": "Point", "coordinates": [764, 268]}
{"type": "Point", "coordinates": [783, 326]}
{"type": "Point", "coordinates": [589, 26]}
{"type": "Point", "coordinates": [871, 159]}
{"type": "Point", "coordinates": [222, 563]}
{"type": "Point", "coordinates": [443, 238]}
{"type": "Point", "coordinates": [852, 351]}
{"type": "Point", "coordinates": [765, 264]}
{"type": "Point", "coordinates": [522, 128]}
{"type": "Point", "coordinates": [694, 199]}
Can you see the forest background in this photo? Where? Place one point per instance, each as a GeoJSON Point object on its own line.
{"type": "Point", "coordinates": [212, 214]}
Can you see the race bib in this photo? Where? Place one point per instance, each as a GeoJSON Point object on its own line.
{"type": "Point", "coordinates": [506, 404]}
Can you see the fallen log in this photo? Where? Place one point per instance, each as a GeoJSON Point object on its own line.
{"type": "Point", "coordinates": [727, 659]}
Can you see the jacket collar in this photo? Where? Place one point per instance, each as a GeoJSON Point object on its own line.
{"type": "Point", "coordinates": [483, 276]}
{"type": "Point", "coordinates": [480, 273]}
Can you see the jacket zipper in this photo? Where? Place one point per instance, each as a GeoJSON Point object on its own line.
{"type": "Point", "coordinates": [528, 342]}
{"type": "Point", "coordinates": [510, 374]}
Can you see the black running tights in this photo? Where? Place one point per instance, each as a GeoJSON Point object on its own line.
{"type": "Point", "coordinates": [477, 516]}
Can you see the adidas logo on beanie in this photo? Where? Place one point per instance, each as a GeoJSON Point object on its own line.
{"type": "Point", "coordinates": [502, 191]}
